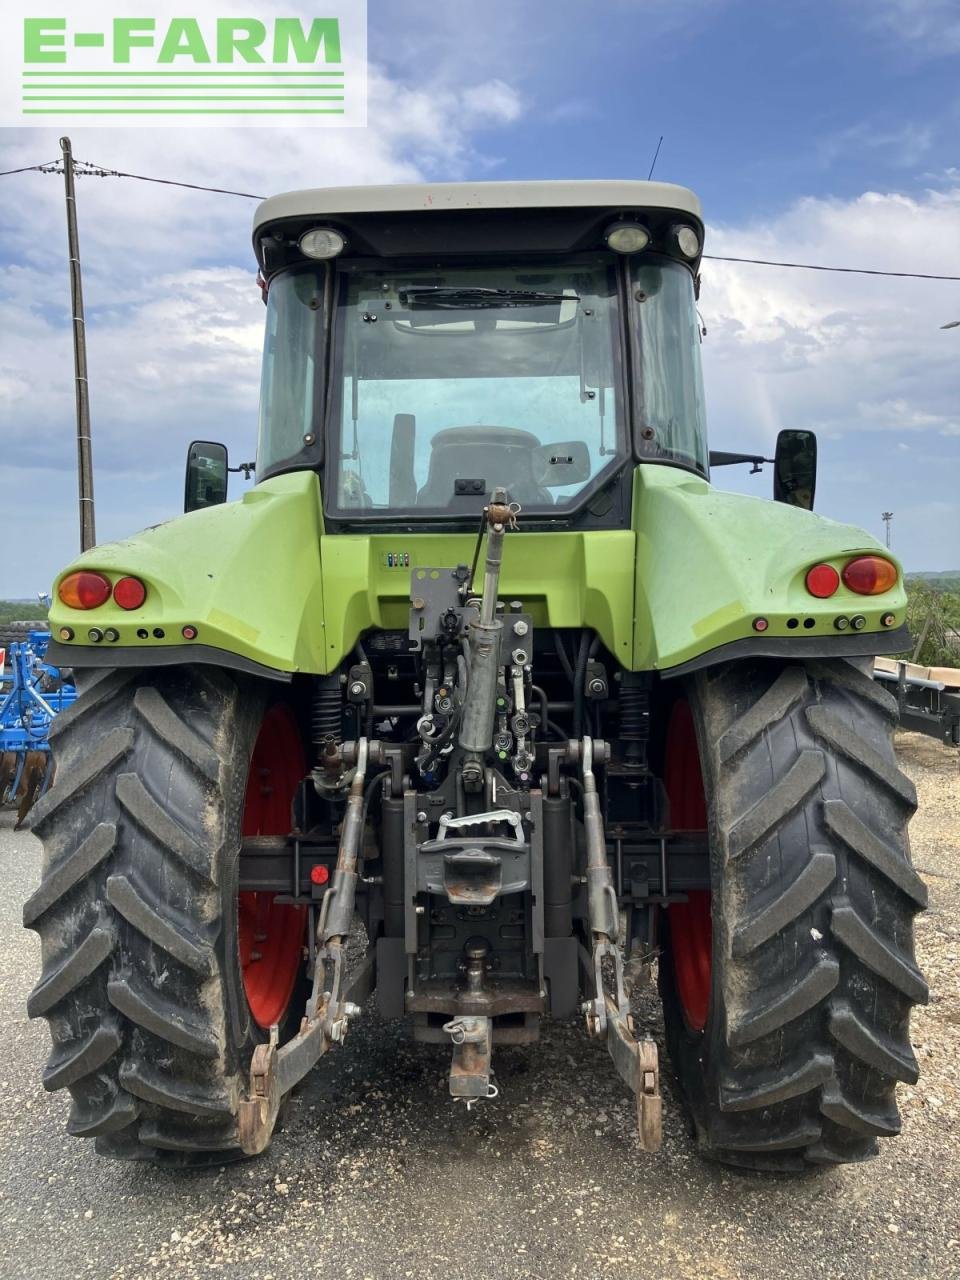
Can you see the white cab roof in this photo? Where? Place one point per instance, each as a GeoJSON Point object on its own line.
{"type": "Point", "coordinates": [477, 195]}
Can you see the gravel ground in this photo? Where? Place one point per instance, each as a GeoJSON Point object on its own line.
{"type": "Point", "coordinates": [377, 1174]}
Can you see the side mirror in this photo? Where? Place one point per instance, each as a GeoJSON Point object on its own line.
{"type": "Point", "coordinates": [795, 469]}
{"type": "Point", "coordinates": [558, 464]}
{"type": "Point", "coordinates": [206, 484]}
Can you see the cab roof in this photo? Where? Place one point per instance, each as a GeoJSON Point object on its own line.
{"type": "Point", "coordinates": [448, 197]}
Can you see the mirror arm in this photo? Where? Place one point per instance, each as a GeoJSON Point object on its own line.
{"type": "Point", "coordinates": [247, 468]}
{"type": "Point", "coordinates": [732, 459]}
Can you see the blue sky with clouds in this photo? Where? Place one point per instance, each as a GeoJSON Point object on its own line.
{"type": "Point", "coordinates": [813, 131]}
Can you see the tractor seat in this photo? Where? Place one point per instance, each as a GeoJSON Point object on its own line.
{"type": "Point", "coordinates": [495, 455]}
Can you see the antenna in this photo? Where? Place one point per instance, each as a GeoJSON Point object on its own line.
{"type": "Point", "coordinates": [887, 517]}
{"type": "Point", "coordinates": [653, 163]}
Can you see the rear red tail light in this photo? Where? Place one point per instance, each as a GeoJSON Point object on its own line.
{"type": "Point", "coordinates": [870, 575]}
{"type": "Point", "coordinates": [129, 593]}
{"type": "Point", "coordinates": [84, 590]}
{"type": "Point", "coordinates": [822, 580]}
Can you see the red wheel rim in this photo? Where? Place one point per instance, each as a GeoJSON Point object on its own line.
{"type": "Point", "coordinates": [270, 934]}
{"type": "Point", "coordinates": [691, 930]}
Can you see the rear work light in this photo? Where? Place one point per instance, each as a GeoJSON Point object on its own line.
{"type": "Point", "coordinates": [870, 575]}
{"type": "Point", "coordinates": [627, 237]}
{"type": "Point", "coordinates": [129, 593]}
{"type": "Point", "coordinates": [822, 580]}
{"type": "Point", "coordinates": [84, 590]}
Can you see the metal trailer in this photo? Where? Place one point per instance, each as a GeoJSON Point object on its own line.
{"type": "Point", "coordinates": [926, 705]}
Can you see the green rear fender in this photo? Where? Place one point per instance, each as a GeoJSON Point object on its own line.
{"type": "Point", "coordinates": [709, 563]}
{"type": "Point", "coordinates": [245, 574]}
{"type": "Point", "coordinates": [267, 590]}
{"type": "Point", "coordinates": [248, 577]}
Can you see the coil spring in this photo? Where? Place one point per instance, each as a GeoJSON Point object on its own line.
{"type": "Point", "coordinates": [634, 717]}
{"type": "Point", "coordinates": [327, 713]}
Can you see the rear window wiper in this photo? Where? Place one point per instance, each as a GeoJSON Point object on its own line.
{"type": "Point", "coordinates": [434, 298]}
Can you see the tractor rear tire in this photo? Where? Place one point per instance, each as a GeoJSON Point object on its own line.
{"type": "Point", "coordinates": [790, 1057]}
{"type": "Point", "coordinates": [137, 911]}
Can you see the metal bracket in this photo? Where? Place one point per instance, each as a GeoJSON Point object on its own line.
{"type": "Point", "coordinates": [638, 1066]}
{"type": "Point", "coordinates": [602, 905]}
{"type": "Point", "coordinates": [448, 823]}
{"type": "Point", "coordinates": [472, 1049]}
{"type": "Point", "coordinates": [274, 1070]}
{"type": "Point", "coordinates": [257, 1114]}
{"type": "Point", "coordinates": [609, 1015]}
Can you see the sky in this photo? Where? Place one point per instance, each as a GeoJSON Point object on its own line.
{"type": "Point", "coordinates": [816, 131]}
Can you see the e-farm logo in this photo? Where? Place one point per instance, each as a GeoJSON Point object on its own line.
{"type": "Point", "coordinates": [93, 66]}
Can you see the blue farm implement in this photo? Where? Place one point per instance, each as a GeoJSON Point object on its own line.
{"type": "Point", "coordinates": [31, 693]}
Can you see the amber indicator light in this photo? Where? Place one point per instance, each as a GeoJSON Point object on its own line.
{"type": "Point", "coordinates": [84, 590]}
{"type": "Point", "coordinates": [869, 575]}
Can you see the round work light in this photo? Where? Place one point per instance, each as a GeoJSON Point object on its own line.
{"type": "Point", "coordinates": [688, 242]}
{"type": "Point", "coordinates": [322, 243]}
{"type": "Point", "coordinates": [627, 237]}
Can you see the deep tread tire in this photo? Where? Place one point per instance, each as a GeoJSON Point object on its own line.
{"type": "Point", "coordinates": [136, 911]}
{"type": "Point", "coordinates": [814, 894]}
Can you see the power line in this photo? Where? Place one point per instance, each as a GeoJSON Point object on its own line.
{"type": "Point", "coordinates": [98, 171]}
{"type": "Point", "coordinates": [813, 266]}
{"type": "Point", "coordinates": [87, 169]}
{"type": "Point", "coordinates": [49, 167]}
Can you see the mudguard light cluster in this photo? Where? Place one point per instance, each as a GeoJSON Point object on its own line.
{"type": "Point", "coordinates": [86, 590]}
{"type": "Point", "coordinates": [866, 575]}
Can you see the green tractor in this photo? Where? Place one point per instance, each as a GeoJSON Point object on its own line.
{"type": "Point", "coordinates": [483, 659]}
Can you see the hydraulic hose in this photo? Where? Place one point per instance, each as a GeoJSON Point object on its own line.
{"type": "Point", "coordinates": [549, 725]}
{"type": "Point", "coordinates": [562, 655]}
{"type": "Point", "coordinates": [579, 681]}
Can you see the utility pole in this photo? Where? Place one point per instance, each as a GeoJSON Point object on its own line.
{"type": "Point", "coordinates": [886, 517]}
{"type": "Point", "coordinates": [88, 534]}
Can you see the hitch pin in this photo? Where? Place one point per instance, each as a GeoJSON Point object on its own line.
{"type": "Point", "coordinates": [492, 1092]}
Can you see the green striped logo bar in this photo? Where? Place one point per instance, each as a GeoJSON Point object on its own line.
{"type": "Point", "coordinates": [211, 67]}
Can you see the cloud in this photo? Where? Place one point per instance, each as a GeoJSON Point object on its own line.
{"type": "Point", "coordinates": [174, 318]}
{"type": "Point", "coordinates": [175, 322]}
{"type": "Point", "coordinates": [169, 280]}
{"type": "Point", "coordinates": [903, 146]}
{"type": "Point", "coordinates": [930, 27]}
{"type": "Point", "coordinates": [861, 360]}
{"type": "Point", "coordinates": [555, 53]}
{"type": "Point", "coordinates": [493, 101]}
{"type": "Point", "coordinates": [839, 351]}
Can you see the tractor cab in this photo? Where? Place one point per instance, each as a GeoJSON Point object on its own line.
{"type": "Point", "coordinates": [541, 336]}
